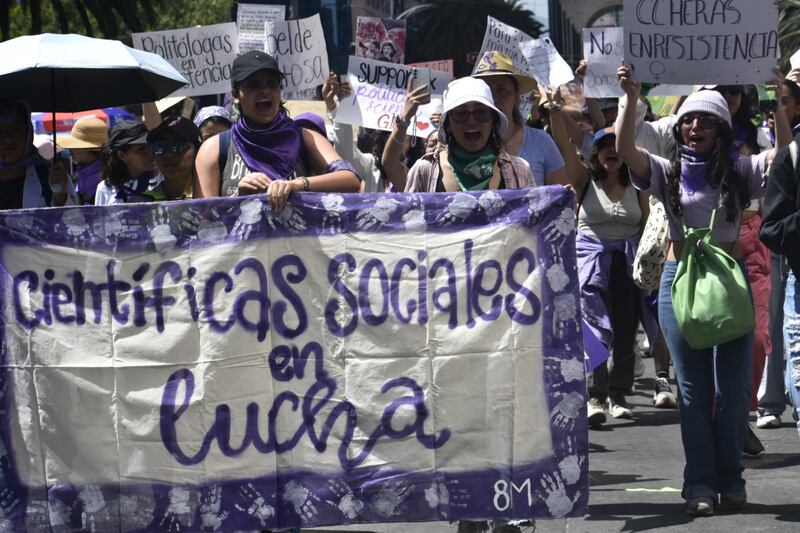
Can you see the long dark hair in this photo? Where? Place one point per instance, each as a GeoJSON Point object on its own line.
{"type": "Point", "coordinates": [115, 171]}
{"type": "Point", "coordinates": [598, 173]}
{"type": "Point", "coordinates": [734, 190]}
{"type": "Point", "coordinates": [744, 119]}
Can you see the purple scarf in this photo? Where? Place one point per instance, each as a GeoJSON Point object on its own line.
{"type": "Point", "coordinates": [89, 177]}
{"type": "Point", "coordinates": [273, 150]}
{"type": "Point", "coordinates": [695, 169]}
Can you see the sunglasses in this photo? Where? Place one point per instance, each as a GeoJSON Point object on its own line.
{"type": "Point", "coordinates": [258, 84]}
{"type": "Point", "coordinates": [161, 147]}
{"type": "Point", "coordinates": [704, 122]}
{"type": "Point", "coordinates": [481, 114]}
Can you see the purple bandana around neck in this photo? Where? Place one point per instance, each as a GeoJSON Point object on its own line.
{"type": "Point", "coordinates": [695, 169]}
{"type": "Point", "coordinates": [273, 150]}
{"type": "Point", "coordinates": [89, 177]}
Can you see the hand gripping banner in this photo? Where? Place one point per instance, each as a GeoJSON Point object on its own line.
{"type": "Point", "coordinates": [210, 365]}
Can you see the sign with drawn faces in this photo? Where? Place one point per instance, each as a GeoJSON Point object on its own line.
{"type": "Point", "coordinates": [214, 365]}
{"type": "Point", "coordinates": [727, 42]}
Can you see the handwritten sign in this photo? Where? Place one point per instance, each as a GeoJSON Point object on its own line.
{"type": "Point", "coordinates": [299, 46]}
{"type": "Point", "coordinates": [444, 65]}
{"type": "Point", "coordinates": [379, 94]}
{"type": "Point", "coordinates": [358, 358]}
{"type": "Point", "coordinates": [250, 21]}
{"type": "Point", "coordinates": [603, 49]}
{"type": "Point", "coordinates": [794, 61]}
{"type": "Point", "coordinates": [730, 42]}
{"type": "Point", "coordinates": [203, 55]}
{"type": "Point", "coordinates": [501, 37]}
{"type": "Point", "coordinates": [381, 39]}
{"type": "Point", "coordinates": [546, 64]}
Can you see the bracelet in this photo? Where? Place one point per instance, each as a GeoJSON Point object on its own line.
{"type": "Point", "coordinates": [306, 184]}
{"type": "Point", "coordinates": [403, 123]}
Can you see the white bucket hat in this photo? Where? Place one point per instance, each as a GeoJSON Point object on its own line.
{"type": "Point", "coordinates": [464, 90]}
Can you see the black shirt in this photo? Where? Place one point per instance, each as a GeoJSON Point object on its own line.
{"type": "Point", "coordinates": [11, 193]}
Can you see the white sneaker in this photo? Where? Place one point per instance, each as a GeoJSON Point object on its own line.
{"type": "Point", "coordinates": [618, 408]}
{"type": "Point", "coordinates": [768, 422]}
{"type": "Point", "coordinates": [595, 412]}
{"type": "Point", "coordinates": [663, 397]}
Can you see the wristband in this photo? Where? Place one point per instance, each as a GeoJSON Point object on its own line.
{"type": "Point", "coordinates": [403, 123]}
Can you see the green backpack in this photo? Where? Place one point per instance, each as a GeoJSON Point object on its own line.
{"type": "Point", "coordinates": [710, 297]}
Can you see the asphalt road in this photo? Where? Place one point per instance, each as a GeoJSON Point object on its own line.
{"type": "Point", "coordinates": [635, 475]}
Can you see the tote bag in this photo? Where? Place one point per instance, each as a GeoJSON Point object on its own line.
{"type": "Point", "coordinates": [709, 294]}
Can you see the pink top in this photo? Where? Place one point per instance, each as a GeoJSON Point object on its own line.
{"type": "Point", "coordinates": [697, 206]}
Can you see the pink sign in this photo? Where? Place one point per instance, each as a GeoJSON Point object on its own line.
{"type": "Point", "coordinates": [443, 65]}
{"type": "Point", "coordinates": [381, 39]}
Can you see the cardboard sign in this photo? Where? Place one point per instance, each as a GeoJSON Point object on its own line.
{"type": "Point", "coordinates": [381, 39]}
{"type": "Point", "coordinates": [379, 94]}
{"type": "Point", "coordinates": [501, 37]}
{"type": "Point", "coordinates": [299, 46]}
{"type": "Point", "coordinates": [728, 42]}
{"type": "Point", "coordinates": [355, 359]}
{"type": "Point", "coordinates": [444, 65]}
{"type": "Point", "coordinates": [603, 49]}
{"type": "Point", "coordinates": [546, 64]}
{"type": "Point", "coordinates": [203, 55]}
{"type": "Point", "coordinates": [250, 21]}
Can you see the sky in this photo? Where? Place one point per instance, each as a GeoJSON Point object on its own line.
{"type": "Point", "coordinates": [539, 7]}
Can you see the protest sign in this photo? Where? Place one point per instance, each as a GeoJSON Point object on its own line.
{"type": "Point", "coordinates": [794, 61]}
{"type": "Point", "coordinates": [250, 21]}
{"type": "Point", "coordinates": [203, 55]}
{"type": "Point", "coordinates": [379, 94]}
{"type": "Point", "coordinates": [357, 358]}
{"type": "Point", "coordinates": [603, 49]}
{"type": "Point", "coordinates": [299, 46]}
{"type": "Point", "coordinates": [445, 65]}
{"type": "Point", "coordinates": [501, 37]}
{"type": "Point", "coordinates": [728, 42]}
{"type": "Point", "coordinates": [381, 39]}
{"type": "Point", "coordinates": [546, 64]}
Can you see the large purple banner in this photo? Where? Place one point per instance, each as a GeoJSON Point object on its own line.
{"type": "Point", "coordinates": [211, 365]}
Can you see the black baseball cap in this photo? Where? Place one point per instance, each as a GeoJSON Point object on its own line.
{"type": "Point", "coordinates": [252, 61]}
{"type": "Point", "coordinates": [126, 133]}
{"type": "Point", "coordinates": [183, 127]}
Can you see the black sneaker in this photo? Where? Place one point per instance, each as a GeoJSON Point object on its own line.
{"type": "Point", "coordinates": [752, 444]}
{"type": "Point", "coordinates": [663, 397]}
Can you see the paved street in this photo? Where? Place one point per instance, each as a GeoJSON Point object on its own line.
{"type": "Point", "coordinates": [635, 474]}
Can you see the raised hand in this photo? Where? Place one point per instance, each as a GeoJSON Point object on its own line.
{"type": "Point", "coordinates": [631, 88]}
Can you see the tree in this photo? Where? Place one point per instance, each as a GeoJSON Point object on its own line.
{"type": "Point", "coordinates": [450, 29]}
{"type": "Point", "coordinates": [112, 19]}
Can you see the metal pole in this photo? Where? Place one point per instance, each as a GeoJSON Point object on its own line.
{"type": "Point", "coordinates": [53, 104]}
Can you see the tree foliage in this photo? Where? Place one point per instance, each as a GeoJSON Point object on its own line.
{"type": "Point", "coordinates": [111, 19]}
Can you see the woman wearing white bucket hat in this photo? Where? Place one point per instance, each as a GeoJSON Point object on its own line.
{"type": "Point", "coordinates": [471, 157]}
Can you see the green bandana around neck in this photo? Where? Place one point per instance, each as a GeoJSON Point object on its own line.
{"type": "Point", "coordinates": [473, 170]}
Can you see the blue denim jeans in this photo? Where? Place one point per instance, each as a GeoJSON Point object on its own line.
{"type": "Point", "coordinates": [791, 341]}
{"type": "Point", "coordinates": [714, 389]}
